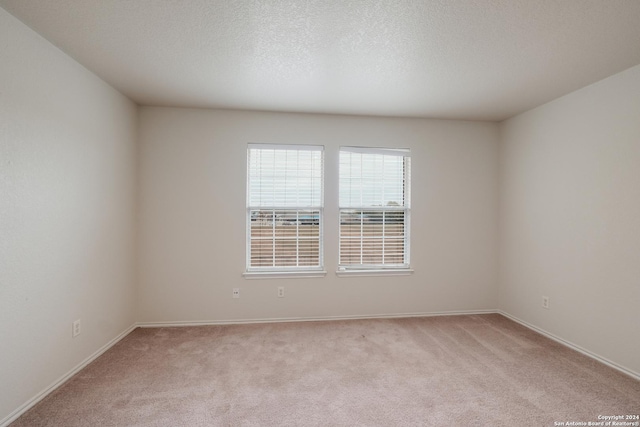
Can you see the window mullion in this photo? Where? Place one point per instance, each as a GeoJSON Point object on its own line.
{"type": "Point", "coordinates": [297, 238]}
{"type": "Point", "coordinates": [361, 215]}
{"type": "Point", "coordinates": [382, 236]}
{"type": "Point", "coordinates": [273, 238]}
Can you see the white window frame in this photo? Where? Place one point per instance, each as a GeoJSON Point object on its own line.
{"type": "Point", "coordinates": [403, 268]}
{"type": "Point", "coordinates": [253, 271]}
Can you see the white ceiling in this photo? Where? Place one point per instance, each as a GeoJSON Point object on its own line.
{"type": "Point", "coordinates": [462, 59]}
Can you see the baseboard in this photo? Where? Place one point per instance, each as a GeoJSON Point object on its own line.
{"type": "Point", "coordinates": [310, 319]}
{"type": "Point", "coordinates": [44, 393]}
{"type": "Point", "coordinates": [573, 346]}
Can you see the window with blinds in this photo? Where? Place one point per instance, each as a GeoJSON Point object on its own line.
{"type": "Point", "coordinates": [374, 208]}
{"type": "Point", "coordinates": [284, 207]}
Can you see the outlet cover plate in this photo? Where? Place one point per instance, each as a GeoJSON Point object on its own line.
{"type": "Point", "coordinates": [75, 331]}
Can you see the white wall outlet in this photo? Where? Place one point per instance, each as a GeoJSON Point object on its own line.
{"type": "Point", "coordinates": [545, 302]}
{"type": "Point", "coordinates": [75, 328]}
{"type": "Point", "coordinates": [236, 292]}
{"type": "Point", "coordinates": [280, 291]}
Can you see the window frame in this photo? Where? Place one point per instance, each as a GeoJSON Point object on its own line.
{"type": "Point", "coordinates": [254, 271]}
{"type": "Point", "coordinates": [378, 269]}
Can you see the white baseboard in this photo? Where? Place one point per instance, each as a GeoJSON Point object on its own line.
{"type": "Point", "coordinates": [573, 346]}
{"type": "Point", "coordinates": [44, 393]}
{"type": "Point", "coordinates": [309, 319]}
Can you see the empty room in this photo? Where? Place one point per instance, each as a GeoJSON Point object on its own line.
{"type": "Point", "coordinates": [319, 213]}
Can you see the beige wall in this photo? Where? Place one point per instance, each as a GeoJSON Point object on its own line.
{"type": "Point", "coordinates": [570, 217]}
{"type": "Point", "coordinates": [192, 217]}
{"type": "Point", "coordinates": [67, 186]}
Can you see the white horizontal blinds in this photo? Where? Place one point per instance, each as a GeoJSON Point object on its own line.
{"type": "Point", "coordinates": [284, 207]}
{"type": "Point", "coordinates": [374, 207]}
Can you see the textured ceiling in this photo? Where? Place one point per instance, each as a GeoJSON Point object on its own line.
{"type": "Point", "coordinates": [463, 59]}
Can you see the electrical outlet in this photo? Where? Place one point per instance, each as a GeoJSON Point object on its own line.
{"type": "Point", "coordinates": [236, 292]}
{"type": "Point", "coordinates": [545, 302]}
{"type": "Point", "coordinates": [75, 328]}
{"type": "Point", "coordinates": [280, 291]}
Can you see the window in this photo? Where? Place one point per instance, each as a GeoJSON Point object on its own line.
{"type": "Point", "coordinates": [374, 209]}
{"type": "Point", "coordinates": [284, 208]}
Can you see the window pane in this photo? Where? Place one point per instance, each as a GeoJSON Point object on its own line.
{"type": "Point", "coordinates": [284, 238]}
{"type": "Point", "coordinates": [284, 178]}
{"type": "Point", "coordinates": [371, 179]}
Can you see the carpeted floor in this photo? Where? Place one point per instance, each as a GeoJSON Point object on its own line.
{"type": "Point", "coordinates": [482, 370]}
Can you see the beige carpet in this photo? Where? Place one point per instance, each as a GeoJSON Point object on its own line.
{"type": "Point", "coordinates": [438, 371]}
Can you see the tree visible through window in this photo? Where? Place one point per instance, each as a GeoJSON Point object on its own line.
{"type": "Point", "coordinates": [284, 207]}
{"type": "Point", "coordinates": [374, 208]}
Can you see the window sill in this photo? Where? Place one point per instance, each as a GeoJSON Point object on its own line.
{"type": "Point", "coordinates": [283, 274]}
{"type": "Point", "coordinates": [381, 272]}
